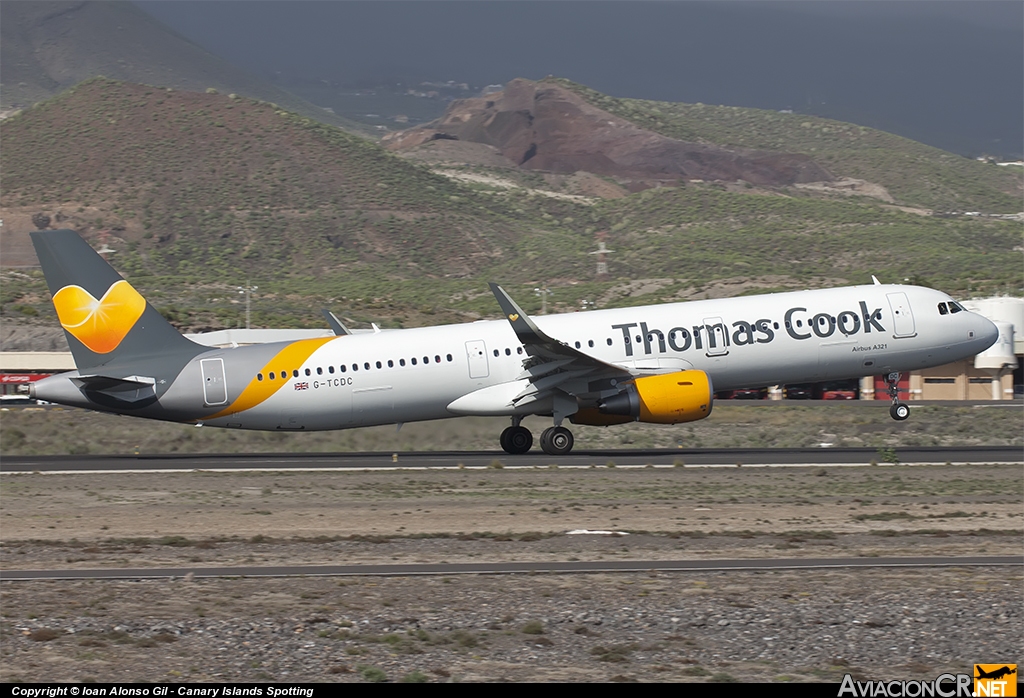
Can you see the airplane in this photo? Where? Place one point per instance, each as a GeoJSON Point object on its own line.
{"type": "Point", "coordinates": [995, 673]}
{"type": "Point", "coordinates": [656, 363]}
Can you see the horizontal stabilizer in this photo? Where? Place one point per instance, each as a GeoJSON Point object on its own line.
{"type": "Point", "coordinates": [128, 389]}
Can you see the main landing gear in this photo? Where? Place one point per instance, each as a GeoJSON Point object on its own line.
{"type": "Point", "coordinates": [898, 410]}
{"type": "Point", "coordinates": [555, 441]}
{"type": "Point", "coordinates": [516, 439]}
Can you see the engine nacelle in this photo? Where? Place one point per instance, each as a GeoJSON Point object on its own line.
{"type": "Point", "coordinates": [670, 398]}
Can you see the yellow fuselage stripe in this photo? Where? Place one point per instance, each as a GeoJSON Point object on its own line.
{"type": "Point", "coordinates": [291, 357]}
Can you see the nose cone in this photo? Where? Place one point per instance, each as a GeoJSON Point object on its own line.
{"type": "Point", "coordinates": [985, 331]}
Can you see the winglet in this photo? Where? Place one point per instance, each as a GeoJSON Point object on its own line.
{"type": "Point", "coordinates": [875, 279]}
{"type": "Point", "coordinates": [337, 326]}
{"type": "Point", "coordinates": [522, 325]}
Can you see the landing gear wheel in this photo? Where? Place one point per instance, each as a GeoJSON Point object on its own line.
{"type": "Point", "coordinates": [899, 411]}
{"type": "Point", "coordinates": [556, 441]}
{"type": "Point", "coordinates": [516, 440]}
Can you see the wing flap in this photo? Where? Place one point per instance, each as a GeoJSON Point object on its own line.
{"type": "Point", "coordinates": [554, 367]}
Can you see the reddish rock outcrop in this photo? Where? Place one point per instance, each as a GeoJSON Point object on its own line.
{"type": "Point", "coordinates": [543, 126]}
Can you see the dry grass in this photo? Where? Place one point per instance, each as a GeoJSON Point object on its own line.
{"type": "Point", "coordinates": [69, 431]}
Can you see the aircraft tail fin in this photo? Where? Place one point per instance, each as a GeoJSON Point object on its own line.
{"type": "Point", "coordinates": [106, 321]}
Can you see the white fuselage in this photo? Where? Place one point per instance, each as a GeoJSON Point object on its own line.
{"type": "Point", "coordinates": [370, 379]}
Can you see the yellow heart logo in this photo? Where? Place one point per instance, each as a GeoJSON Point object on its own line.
{"type": "Point", "coordinates": [99, 324]}
{"type": "Point", "coordinates": [513, 317]}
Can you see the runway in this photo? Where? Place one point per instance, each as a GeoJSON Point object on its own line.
{"type": "Point", "coordinates": [557, 567]}
{"type": "Point", "coordinates": [745, 457]}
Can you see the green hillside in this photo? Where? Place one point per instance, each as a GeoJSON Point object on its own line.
{"type": "Point", "coordinates": [914, 174]}
{"type": "Point", "coordinates": [199, 193]}
{"type": "Point", "coordinates": [207, 181]}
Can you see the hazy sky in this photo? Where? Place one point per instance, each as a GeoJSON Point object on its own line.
{"type": "Point", "coordinates": [947, 73]}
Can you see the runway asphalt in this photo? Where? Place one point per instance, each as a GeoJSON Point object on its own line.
{"type": "Point", "coordinates": [510, 568]}
{"type": "Point", "coordinates": [746, 457]}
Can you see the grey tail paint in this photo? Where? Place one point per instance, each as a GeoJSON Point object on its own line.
{"type": "Point", "coordinates": [118, 332]}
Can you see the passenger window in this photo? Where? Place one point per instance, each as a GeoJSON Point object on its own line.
{"type": "Point", "coordinates": [590, 343]}
{"type": "Point", "coordinates": [578, 345]}
{"type": "Point", "coordinates": [295, 373]}
{"type": "Point", "coordinates": [379, 365]}
{"type": "Point", "coordinates": [284, 375]}
{"type": "Point", "coordinates": [259, 376]}
{"type": "Point", "coordinates": [413, 360]}
{"type": "Point", "coordinates": [330, 369]}
{"type": "Point", "coordinates": [343, 369]}
{"type": "Point", "coordinates": [519, 350]}
{"type": "Point", "coordinates": [401, 362]}
{"type": "Point", "coordinates": [495, 352]}
{"type": "Point", "coordinates": [508, 352]}
{"type": "Point", "coordinates": [942, 309]}
{"type": "Point", "coordinates": [319, 371]}
{"type": "Point", "coordinates": [355, 367]}
{"type": "Point", "coordinates": [366, 365]}
{"type": "Point", "coordinates": [609, 340]}
{"type": "Point", "coordinates": [308, 372]}
{"type": "Point", "coordinates": [272, 376]}
{"type": "Point", "coordinates": [449, 357]}
{"type": "Point", "coordinates": [391, 364]}
{"type": "Point", "coordinates": [437, 359]}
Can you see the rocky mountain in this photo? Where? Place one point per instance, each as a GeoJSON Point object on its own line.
{"type": "Point", "coordinates": [545, 126]}
{"type": "Point", "coordinates": [48, 46]}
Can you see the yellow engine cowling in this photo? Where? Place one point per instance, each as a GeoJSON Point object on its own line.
{"type": "Point", "coordinates": [671, 398]}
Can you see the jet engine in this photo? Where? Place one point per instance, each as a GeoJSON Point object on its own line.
{"type": "Point", "coordinates": [671, 398]}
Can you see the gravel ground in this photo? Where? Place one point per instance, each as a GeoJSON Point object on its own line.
{"type": "Point", "coordinates": [693, 626]}
{"type": "Point", "coordinates": [772, 626]}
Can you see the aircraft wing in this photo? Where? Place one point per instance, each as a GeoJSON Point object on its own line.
{"type": "Point", "coordinates": [554, 366]}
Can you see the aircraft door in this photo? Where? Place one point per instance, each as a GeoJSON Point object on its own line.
{"type": "Point", "coordinates": [476, 353]}
{"type": "Point", "coordinates": [903, 318]}
{"type": "Point", "coordinates": [215, 387]}
{"type": "Point", "coordinates": [717, 336]}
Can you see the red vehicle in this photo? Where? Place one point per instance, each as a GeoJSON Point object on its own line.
{"type": "Point", "coordinates": [839, 390]}
{"type": "Point", "coordinates": [743, 394]}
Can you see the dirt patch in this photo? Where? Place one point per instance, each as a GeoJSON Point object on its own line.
{"type": "Point", "coordinates": [849, 187]}
{"type": "Point", "coordinates": [459, 153]}
{"type": "Point", "coordinates": [896, 500]}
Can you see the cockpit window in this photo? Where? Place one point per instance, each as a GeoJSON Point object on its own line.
{"type": "Point", "coordinates": [942, 309]}
{"type": "Point", "coordinates": [955, 307]}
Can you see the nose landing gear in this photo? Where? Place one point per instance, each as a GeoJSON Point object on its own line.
{"type": "Point", "coordinates": [898, 410]}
